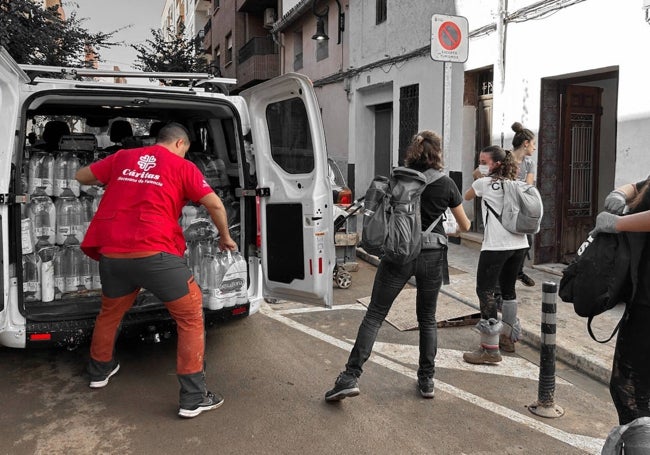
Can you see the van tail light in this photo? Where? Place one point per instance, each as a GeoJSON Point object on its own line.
{"type": "Point", "coordinates": [40, 336]}
{"type": "Point", "coordinates": [258, 236]}
{"type": "Point", "coordinates": [344, 197]}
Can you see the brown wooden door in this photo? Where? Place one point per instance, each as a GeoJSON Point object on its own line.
{"type": "Point", "coordinates": [483, 139]}
{"type": "Point", "coordinates": [580, 145]}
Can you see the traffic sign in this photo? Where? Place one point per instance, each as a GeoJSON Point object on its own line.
{"type": "Point", "coordinates": [449, 38]}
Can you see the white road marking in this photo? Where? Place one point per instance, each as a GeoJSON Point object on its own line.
{"type": "Point", "coordinates": [316, 309]}
{"type": "Point", "coordinates": [515, 367]}
{"type": "Point", "coordinates": [586, 443]}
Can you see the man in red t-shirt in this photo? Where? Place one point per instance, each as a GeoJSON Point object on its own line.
{"type": "Point", "coordinates": [136, 237]}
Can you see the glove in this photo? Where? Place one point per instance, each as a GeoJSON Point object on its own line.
{"type": "Point", "coordinates": [615, 202]}
{"type": "Point", "coordinates": [605, 222]}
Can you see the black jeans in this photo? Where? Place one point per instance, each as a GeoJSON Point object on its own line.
{"type": "Point", "coordinates": [389, 281]}
{"type": "Point", "coordinates": [497, 268]}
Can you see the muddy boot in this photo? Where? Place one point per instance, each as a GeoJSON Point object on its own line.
{"type": "Point", "coordinates": [511, 329]}
{"type": "Point", "coordinates": [488, 351]}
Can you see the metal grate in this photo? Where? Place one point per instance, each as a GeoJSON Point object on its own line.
{"type": "Point", "coordinates": [409, 101]}
{"type": "Point", "coordinates": [581, 165]}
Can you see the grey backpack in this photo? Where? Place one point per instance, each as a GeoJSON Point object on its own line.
{"type": "Point", "coordinates": [522, 207]}
{"type": "Point", "coordinates": [392, 226]}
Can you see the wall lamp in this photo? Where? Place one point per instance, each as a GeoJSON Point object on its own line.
{"type": "Point", "coordinates": [320, 34]}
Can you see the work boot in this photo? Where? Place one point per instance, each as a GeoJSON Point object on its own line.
{"type": "Point", "coordinates": [345, 386]}
{"type": "Point", "coordinates": [506, 344]}
{"type": "Point", "coordinates": [528, 281]}
{"type": "Point", "coordinates": [483, 356]}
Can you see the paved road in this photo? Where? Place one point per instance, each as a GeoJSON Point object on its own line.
{"type": "Point", "coordinates": [273, 369]}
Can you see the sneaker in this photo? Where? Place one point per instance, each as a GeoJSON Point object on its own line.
{"type": "Point", "coordinates": [528, 281]}
{"type": "Point", "coordinates": [482, 356]}
{"type": "Point", "coordinates": [210, 401]}
{"type": "Point", "coordinates": [99, 382]}
{"type": "Point", "coordinates": [425, 386]}
{"type": "Point", "coordinates": [506, 344]}
{"type": "Point", "coordinates": [345, 386]}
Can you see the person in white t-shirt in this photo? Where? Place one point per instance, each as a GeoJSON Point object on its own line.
{"type": "Point", "coordinates": [501, 255]}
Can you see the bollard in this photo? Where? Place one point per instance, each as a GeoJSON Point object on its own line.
{"type": "Point", "coordinates": [545, 405]}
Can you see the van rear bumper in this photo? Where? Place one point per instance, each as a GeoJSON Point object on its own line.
{"type": "Point", "coordinates": [148, 326]}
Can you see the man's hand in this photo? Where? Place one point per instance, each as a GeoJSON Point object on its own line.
{"type": "Point", "coordinates": [615, 202]}
{"type": "Point", "coordinates": [227, 243]}
{"type": "Point", "coordinates": [605, 222]}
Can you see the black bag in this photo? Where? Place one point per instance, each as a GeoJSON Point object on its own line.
{"type": "Point", "coordinates": [599, 277]}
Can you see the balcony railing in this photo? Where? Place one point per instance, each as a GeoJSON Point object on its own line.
{"type": "Point", "coordinates": [257, 46]}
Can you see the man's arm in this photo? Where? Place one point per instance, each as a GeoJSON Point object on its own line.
{"type": "Point", "coordinates": [217, 212]}
{"type": "Point", "coordinates": [86, 177]}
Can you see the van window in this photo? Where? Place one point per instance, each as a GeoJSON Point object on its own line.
{"type": "Point", "coordinates": [289, 132]}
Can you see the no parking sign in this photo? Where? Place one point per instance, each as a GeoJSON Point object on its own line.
{"type": "Point", "coordinates": [449, 38]}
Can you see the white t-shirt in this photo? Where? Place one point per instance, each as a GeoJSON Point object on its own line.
{"type": "Point", "coordinates": [495, 236]}
{"type": "Point", "coordinates": [525, 167]}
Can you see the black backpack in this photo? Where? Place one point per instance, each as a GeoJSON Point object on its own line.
{"type": "Point", "coordinates": [599, 277]}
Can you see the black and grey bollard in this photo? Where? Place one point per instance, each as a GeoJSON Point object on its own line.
{"type": "Point", "coordinates": [545, 405]}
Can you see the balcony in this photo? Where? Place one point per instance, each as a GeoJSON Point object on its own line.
{"type": "Point", "coordinates": [257, 61]}
{"type": "Point", "coordinates": [203, 5]}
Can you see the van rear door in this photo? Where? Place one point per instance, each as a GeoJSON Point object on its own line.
{"type": "Point", "coordinates": [297, 241]}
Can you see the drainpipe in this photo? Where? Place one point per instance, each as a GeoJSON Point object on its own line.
{"type": "Point", "coordinates": [500, 72]}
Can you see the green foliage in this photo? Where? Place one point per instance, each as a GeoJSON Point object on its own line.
{"type": "Point", "coordinates": [175, 54]}
{"type": "Point", "coordinates": [37, 36]}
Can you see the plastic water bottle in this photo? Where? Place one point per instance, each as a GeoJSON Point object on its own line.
{"type": "Point", "coordinates": [72, 258]}
{"type": "Point", "coordinates": [86, 212]}
{"type": "Point", "coordinates": [69, 217]}
{"type": "Point", "coordinates": [97, 199]}
{"type": "Point", "coordinates": [96, 282]}
{"type": "Point", "coordinates": [31, 279]}
{"type": "Point", "coordinates": [215, 278]}
{"type": "Point", "coordinates": [66, 166]}
{"type": "Point", "coordinates": [40, 172]}
{"type": "Point", "coordinates": [46, 255]}
{"type": "Point", "coordinates": [42, 213]}
{"type": "Point", "coordinates": [59, 277]}
{"type": "Point", "coordinates": [85, 273]}
{"type": "Point", "coordinates": [242, 293]}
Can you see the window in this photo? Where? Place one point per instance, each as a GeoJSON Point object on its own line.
{"type": "Point", "coordinates": [322, 47]}
{"type": "Point", "coordinates": [297, 50]}
{"type": "Point", "coordinates": [228, 48]}
{"type": "Point", "coordinates": [382, 11]}
{"type": "Point", "coordinates": [290, 135]}
{"type": "Point", "coordinates": [409, 104]}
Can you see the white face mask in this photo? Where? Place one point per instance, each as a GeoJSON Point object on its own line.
{"type": "Point", "coordinates": [484, 169]}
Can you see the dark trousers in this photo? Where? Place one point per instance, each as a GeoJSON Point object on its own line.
{"type": "Point", "coordinates": [497, 268]}
{"type": "Point", "coordinates": [389, 281]}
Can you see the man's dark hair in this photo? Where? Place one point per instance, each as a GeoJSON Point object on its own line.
{"type": "Point", "coordinates": [172, 132]}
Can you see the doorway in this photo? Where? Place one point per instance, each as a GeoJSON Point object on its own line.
{"type": "Point", "coordinates": [383, 129]}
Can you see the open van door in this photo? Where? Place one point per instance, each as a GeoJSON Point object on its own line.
{"type": "Point", "coordinates": [11, 79]}
{"type": "Point", "coordinates": [297, 243]}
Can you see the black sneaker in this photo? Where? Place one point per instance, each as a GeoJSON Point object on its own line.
{"type": "Point", "coordinates": [97, 382]}
{"type": "Point", "coordinates": [210, 401]}
{"type": "Point", "coordinates": [528, 281]}
{"type": "Point", "coordinates": [425, 386]}
{"type": "Point", "coordinates": [345, 386]}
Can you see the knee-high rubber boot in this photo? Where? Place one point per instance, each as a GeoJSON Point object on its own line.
{"type": "Point", "coordinates": [488, 352]}
{"type": "Point", "coordinates": [511, 330]}
{"type": "Point", "coordinates": [193, 389]}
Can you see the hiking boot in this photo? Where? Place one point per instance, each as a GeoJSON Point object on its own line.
{"type": "Point", "coordinates": [506, 344]}
{"type": "Point", "coordinates": [97, 382]}
{"type": "Point", "coordinates": [425, 386]}
{"type": "Point", "coordinates": [528, 281]}
{"type": "Point", "coordinates": [345, 386]}
{"type": "Point", "coordinates": [482, 356]}
{"type": "Point", "coordinates": [210, 401]}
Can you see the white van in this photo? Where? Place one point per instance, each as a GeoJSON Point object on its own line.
{"type": "Point", "coordinates": [269, 140]}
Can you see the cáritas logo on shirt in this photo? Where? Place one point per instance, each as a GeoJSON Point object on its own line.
{"type": "Point", "coordinates": [145, 163]}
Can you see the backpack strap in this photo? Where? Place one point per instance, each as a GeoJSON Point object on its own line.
{"type": "Point", "coordinates": [434, 224]}
{"type": "Point", "coordinates": [433, 175]}
{"type": "Point", "coordinates": [591, 333]}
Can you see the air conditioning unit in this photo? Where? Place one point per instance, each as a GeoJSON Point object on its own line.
{"type": "Point", "coordinates": [269, 17]}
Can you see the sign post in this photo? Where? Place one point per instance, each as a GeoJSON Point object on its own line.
{"type": "Point", "coordinates": [449, 44]}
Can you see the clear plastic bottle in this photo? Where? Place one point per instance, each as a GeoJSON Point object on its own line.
{"type": "Point", "coordinates": [97, 199]}
{"type": "Point", "coordinates": [96, 282]}
{"type": "Point", "coordinates": [198, 251]}
{"type": "Point", "coordinates": [31, 278]}
{"type": "Point", "coordinates": [86, 212]}
{"type": "Point", "coordinates": [205, 275]}
{"type": "Point", "coordinates": [85, 273]}
{"type": "Point", "coordinates": [40, 172]}
{"type": "Point", "coordinates": [66, 166]}
{"type": "Point", "coordinates": [72, 258]}
{"type": "Point", "coordinates": [218, 268]}
{"type": "Point", "coordinates": [69, 217]}
{"type": "Point", "coordinates": [59, 277]}
{"type": "Point", "coordinates": [46, 254]}
{"type": "Point", "coordinates": [42, 213]}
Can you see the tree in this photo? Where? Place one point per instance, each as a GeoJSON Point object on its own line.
{"type": "Point", "coordinates": [176, 54]}
{"type": "Point", "coordinates": [38, 36]}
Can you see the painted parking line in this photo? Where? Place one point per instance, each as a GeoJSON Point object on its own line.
{"type": "Point", "coordinates": [586, 443]}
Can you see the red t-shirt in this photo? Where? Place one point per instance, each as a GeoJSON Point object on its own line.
{"type": "Point", "coordinates": [146, 189]}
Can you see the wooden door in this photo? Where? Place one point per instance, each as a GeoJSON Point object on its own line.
{"type": "Point", "coordinates": [580, 150]}
{"type": "Point", "coordinates": [383, 128]}
{"type": "Point", "coordinates": [483, 139]}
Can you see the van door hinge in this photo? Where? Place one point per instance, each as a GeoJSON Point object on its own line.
{"type": "Point", "coordinates": [262, 192]}
{"type": "Point", "coordinates": [10, 198]}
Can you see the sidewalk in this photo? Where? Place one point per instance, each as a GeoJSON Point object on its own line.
{"type": "Point", "coordinates": [574, 345]}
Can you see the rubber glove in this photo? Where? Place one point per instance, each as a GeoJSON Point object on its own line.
{"type": "Point", "coordinates": [605, 222]}
{"type": "Point", "coordinates": [615, 202]}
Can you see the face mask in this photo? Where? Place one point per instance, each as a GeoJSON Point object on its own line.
{"type": "Point", "coordinates": [484, 169]}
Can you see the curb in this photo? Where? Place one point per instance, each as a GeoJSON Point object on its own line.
{"type": "Point", "coordinates": [529, 335]}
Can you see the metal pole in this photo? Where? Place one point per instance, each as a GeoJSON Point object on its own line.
{"type": "Point", "coordinates": [545, 406]}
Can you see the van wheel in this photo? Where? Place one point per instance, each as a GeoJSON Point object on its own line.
{"type": "Point", "coordinates": [343, 279]}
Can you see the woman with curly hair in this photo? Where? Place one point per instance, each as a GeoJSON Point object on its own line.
{"type": "Point", "coordinates": [501, 255]}
{"type": "Point", "coordinates": [424, 152]}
